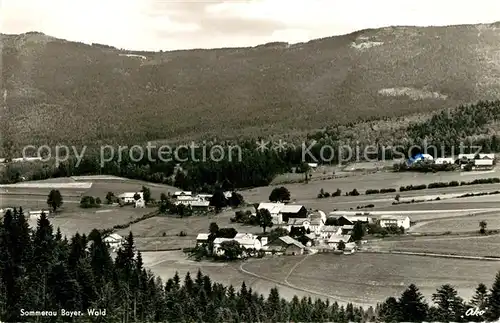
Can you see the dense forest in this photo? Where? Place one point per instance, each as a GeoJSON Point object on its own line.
{"type": "Point", "coordinates": [451, 131]}
{"type": "Point", "coordinates": [42, 271]}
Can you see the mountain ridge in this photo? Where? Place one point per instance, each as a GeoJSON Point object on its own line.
{"type": "Point", "coordinates": [67, 92]}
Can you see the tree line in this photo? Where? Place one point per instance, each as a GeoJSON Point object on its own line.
{"type": "Point", "coordinates": [42, 270]}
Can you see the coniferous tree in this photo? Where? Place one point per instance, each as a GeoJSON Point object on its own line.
{"type": "Point", "coordinates": [412, 305]}
{"type": "Point", "coordinates": [450, 307]}
{"type": "Point", "coordinates": [493, 312]}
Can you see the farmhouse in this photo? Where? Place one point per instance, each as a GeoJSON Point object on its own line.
{"type": "Point", "coordinates": [202, 238]}
{"type": "Point", "coordinates": [298, 222]}
{"type": "Point", "coordinates": [286, 245]}
{"type": "Point", "coordinates": [335, 239]}
{"type": "Point", "coordinates": [350, 220]}
{"type": "Point", "coordinates": [483, 163]}
{"type": "Point", "coordinates": [182, 193]}
{"type": "Point", "coordinates": [328, 230]}
{"type": "Point", "coordinates": [274, 209]}
{"type": "Point", "coordinates": [248, 241]}
{"type": "Point", "coordinates": [113, 241]}
{"type": "Point", "coordinates": [486, 156]}
{"type": "Point", "coordinates": [140, 203]}
{"type": "Point", "coordinates": [205, 197]}
{"type": "Point", "coordinates": [395, 220]}
{"type": "Point", "coordinates": [442, 161]}
{"type": "Point", "coordinates": [347, 229]}
{"type": "Point", "coordinates": [128, 197]}
{"type": "Point", "coordinates": [318, 220]}
{"type": "Point", "coordinates": [293, 211]}
{"type": "Point", "coordinates": [313, 165]}
{"type": "Point", "coordinates": [35, 215]}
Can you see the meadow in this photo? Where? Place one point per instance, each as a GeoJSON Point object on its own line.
{"type": "Point", "coordinates": [365, 278]}
{"type": "Point", "coordinates": [468, 223]}
{"type": "Point", "coordinates": [476, 246]}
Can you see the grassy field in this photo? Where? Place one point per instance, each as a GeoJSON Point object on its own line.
{"type": "Point", "coordinates": [362, 182]}
{"type": "Point", "coordinates": [370, 278]}
{"type": "Point", "coordinates": [477, 246]}
{"type": "Point", "coordinates": [85, 220]}
{"type": "Point", "coordinates": [463, 224]}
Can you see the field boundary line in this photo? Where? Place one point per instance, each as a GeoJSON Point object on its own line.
{"type": "Point", "coordinates": [435, 255]}
{"type": "Point", "coordinates": [335, 298]}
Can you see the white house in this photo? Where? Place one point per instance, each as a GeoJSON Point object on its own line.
{"type": "Point", "coordinates": [228, 194]}
{"type": "Point", "coordinates": [298, 222]}
{"type": "Point", "coordinates": [442, 161]}
{"type": "Point", "coordinates": [274, 209]}
{"type": "Point", "coordinates": [313, 165]}
{"type": "Point", "coordinates": [140, 203]}
{"type": "Point", "coordinates": [483, 162]}
{"type": "Point", "coordinates": [182, 193]}
{"type": "Point", "coordinates": [128, 197]}
{"type": "Point", "coordinates": [205, 197]}
{"type": "Point", "coordinates": [487, 156]}
{"type": "Point", "coordinates": [335, 239]}
{"type": "Point", "coordinates": [246, 240]}
{"type": "Point", "coordinates": [328, 230]}
{"type": "Point", "coordinates": [35, 215]}
{"type": "Point", "coordinates": [114, 241]}
{"type": "Point", "coordinates": [202, 238]}
{"type": "Point", "coordinates": [318, 220]}
{"type": "Point", "coordinates": [395, 220]}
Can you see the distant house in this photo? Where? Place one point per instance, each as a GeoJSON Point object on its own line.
{"type": "Point", "coordinates": [328, 230]}
{"type": "Point", "coordinates": [248, 241]}
{"type": "Point", "coordinates": [114, 241]}
{"type": "Point", "coordinates": [483, 163]}
{"type": "Point", "coordinates": [318, 220]}
{"type": "Point", "coordinates": [35, 215]}
{"type": "Point", "coordinates": [298, 222]}
{"type": "Point", "coordinates": [205, 197]}
{"type": "Point", "coordinates": [293, 211]}
{"type": "Point", "coordinates": [228, 194]}
{"type": "Point", "coordinates": [347, 229]}
{"type": "Point", "coordinates": [194, 203]}
{"type": "Point", "coordinates": [313, 165]}
{"type": "Point", "coordinates": [202, 238]}
{"type": "Point", "coordinates": [128, 197]}
{"type": "Point", "coordinates": [395, 220]}
{"type": "Point", "coordinates": [140, 203]}
{"type": "Point", "coordinates": [350, 220]}
{"type": "Point", "coordinates": [486, 156]}
{"type": "Point", "coordinates": [442, 161]}
{"type": "Point", "coordinates": [274, 209]}
{"type": "Point", "coordinates": [182, 193]}
{"type": "Point", "coordinates": [286, 245]}
{"type": "Point", "coordinates": [335, 239]}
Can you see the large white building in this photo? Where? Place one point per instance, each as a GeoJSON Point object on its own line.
{"type": "Point", "coordinates": [395, 220]}
{"type": "Point", "coordinates": [246, 240]}
{"type": "Point", "coordinates": [114, 241]}
{"type": "Point", "coordinates": [128, 197]}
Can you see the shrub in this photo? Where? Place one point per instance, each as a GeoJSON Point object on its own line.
{"type": "Point", "coordinates": [368, 192]}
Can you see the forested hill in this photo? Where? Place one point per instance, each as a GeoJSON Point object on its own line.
{"type": "Point", "coordinates": [61, 91]}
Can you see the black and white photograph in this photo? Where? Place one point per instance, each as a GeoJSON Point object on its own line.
{"type": "Point", "coordinates": [249, 161]}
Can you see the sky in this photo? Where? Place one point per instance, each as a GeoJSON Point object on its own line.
{"type": "Point", "coordinates": [167, 25]}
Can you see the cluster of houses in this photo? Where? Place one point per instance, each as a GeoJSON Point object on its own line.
{"type": "Point", "coordinates": [319, 236]}
{"type": "Point", "coordinates": [479, 161]}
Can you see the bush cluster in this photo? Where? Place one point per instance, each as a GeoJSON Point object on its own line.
{"type": "Point", "coordinates": [323, 194]}
{"type": "Point", "coordinates": [412, 188]}
{"type": "Point", "coordinates": [89, 202]}
{"type": "Point", "coordinates": [381, 191]}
